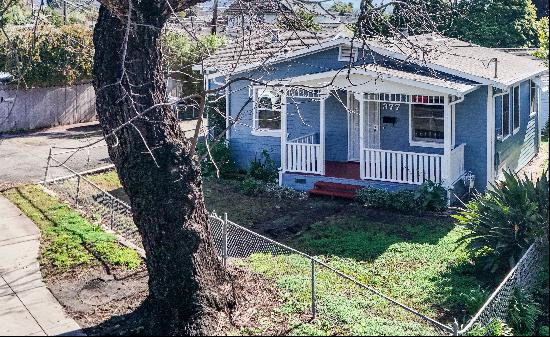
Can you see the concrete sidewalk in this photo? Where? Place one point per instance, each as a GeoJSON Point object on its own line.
{"type": "Point", "coordinates": [27, 308]}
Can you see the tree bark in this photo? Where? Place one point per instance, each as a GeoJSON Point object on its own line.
{"type": "Point", "coordinates": [187, 285]}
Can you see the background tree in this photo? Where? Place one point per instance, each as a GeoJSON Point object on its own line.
{"type": "Point", "coordinates": [342, 8]}
{"type": "Point", "coordinates": [423, 16]}
{"type": "Point", "coordinates": [542, 28]}
{"type": "Point", "coordinates": [300, 19]}
{"type": "Point", "coordinates": [497, 23]}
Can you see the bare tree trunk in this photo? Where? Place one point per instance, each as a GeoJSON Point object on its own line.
{"type": "Point", "coordinates": [187, 285]}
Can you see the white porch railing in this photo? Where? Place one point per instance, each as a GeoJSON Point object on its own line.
{"type": "Point", "coordinates": [304, 157]}
{"type": "Point", "coordinates": [457, 162]}
{"type": "Point", "coordinates": [401, 167]}
{"type": "Point", "coordinates": [307, 139]}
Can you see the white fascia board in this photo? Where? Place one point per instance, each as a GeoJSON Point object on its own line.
{"type": "Point", "coordinates": [525, 78]}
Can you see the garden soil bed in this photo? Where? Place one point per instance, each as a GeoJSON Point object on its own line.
{"type": "Point", "coordinates": [108, 304]}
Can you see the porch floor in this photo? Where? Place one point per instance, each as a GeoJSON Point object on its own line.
{"type": "Point", "coordinates": [347, 170]}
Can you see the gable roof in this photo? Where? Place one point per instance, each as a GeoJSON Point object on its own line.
{"type": "Point", "coordinates": [254, 49]}
{"type": "Point", "coordinates": [444, 55]}
{"type": "Point", "coordinates": [460, 58]}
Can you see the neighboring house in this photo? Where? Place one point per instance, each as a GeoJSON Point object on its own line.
{"type": "Point", "coordinates": [391, 116]}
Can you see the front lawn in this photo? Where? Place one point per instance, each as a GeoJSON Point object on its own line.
{"type": "Point", "coordinates": [414, 259]}
{"type": "Point", "coordinates": [416, 262]}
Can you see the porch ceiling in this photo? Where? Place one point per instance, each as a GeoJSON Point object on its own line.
{"type": "Point", "coordinates": [378, 79]}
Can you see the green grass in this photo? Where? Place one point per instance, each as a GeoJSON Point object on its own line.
{"type": "Point", "coordinates": [418, 263]}
{"type": "Point", "coordinates": [414, 259]}
{"type": "Point", "coordinates": [69, 240]}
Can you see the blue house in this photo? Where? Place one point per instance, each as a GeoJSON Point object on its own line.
{"type": "Point", "coordinates": [387, 113]}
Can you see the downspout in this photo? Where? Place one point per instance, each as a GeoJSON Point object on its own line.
{"type": "Point", "coordinates": [227, 114]}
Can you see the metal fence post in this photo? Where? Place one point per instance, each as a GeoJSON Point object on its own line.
{"type": "Point", "coordinates": [77, 190]}
{"type": "Point", "coordinates": [455, 328]}
{"type": "Point", "coordinates": [224, 240]}
{"type": "Point", "coordinates": [313, 305]}
{"type": "Point", "coordinates": [48, 165]}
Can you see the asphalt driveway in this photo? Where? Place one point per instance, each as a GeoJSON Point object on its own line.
{"type": "Point", "coordinates": [23, 156]}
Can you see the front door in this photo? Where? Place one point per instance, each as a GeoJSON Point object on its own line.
{"type": "Point", "coordinates": [372, 126]}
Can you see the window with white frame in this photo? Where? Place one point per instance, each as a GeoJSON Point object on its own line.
{"type": "Point", "coordinates": [515, 109]}
{"type": "Point", "coordinates": [427, 123]}
{"type": "Point", "coordinates": [267, 110]}
{"type": "Point", "coordinates": [533, 98]}
{"type": "Point", "coordinates": [505, 115]}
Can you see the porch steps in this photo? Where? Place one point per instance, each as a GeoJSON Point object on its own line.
{"type": "Point", "coordinates": [344, 191]}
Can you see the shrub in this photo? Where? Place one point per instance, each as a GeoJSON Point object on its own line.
{"type": "Point", "coordinates": [523, 312]}
{"type": "Point", "coordinates": [55, 57]}
{"type": "Point", "coordinates": [496, 327]}
{"type": "Point", "coordinates": [544, 132]}
{"type": "Point", "coordinates": [428, 197]}
{"type": "Point", "coordinates": [282, 192]}
{"type": "Point", "coordinates": [506, 220]}
{"type": "Point", "coordinates": [431, 196]}
{"type": "Point", "coordinates": [474, 299]}
{"type": "Point", "coordinates": [264, 169]}
{"type": "Point", "coordinates": [373, 197]}
{"type": "Point", "coordinates": [221, 154]}
{"type": "Point", "coordinates": [251, 186]}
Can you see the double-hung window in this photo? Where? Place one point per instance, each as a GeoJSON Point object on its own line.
{"type": "Point", "coordinates": [533, 98]}
{"type": "Point", "coordinates": [427, 123]}
{"type": "Point", "coordinates": [505, 116]}
{"type": "Point", "coordinates": [267, 111]}
{"type": "Point", "coordinates": [516, 109]}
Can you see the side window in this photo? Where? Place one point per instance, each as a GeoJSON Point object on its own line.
{"type": "Point", "coordinates": [267, 110]}
{"type": "Point", "coordinates": [516, 107]}
{"type": "Point", "coordinates": [505, 115]}
{"type": "Point", "coordinates": [533, 98]}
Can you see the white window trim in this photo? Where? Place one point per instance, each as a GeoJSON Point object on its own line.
{"type": "Point", "coordinates": [256, 131]}
{"type": "Point", "coordinates": [502, 118]}
{"type": "Point", "coordinates": [354, 51]}
{"type": "Point", "coordinates": [516, 129]}
{"type": "Point", "coordinates": [418, 143]}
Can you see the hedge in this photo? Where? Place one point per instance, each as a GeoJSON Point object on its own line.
{"type": "Point", "coordinates": [51, 56]}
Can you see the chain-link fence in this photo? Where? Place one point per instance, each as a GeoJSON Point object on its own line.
{"type": "Point", "coordinates": [236, 242]}
{"type": "Point", "coordinates": [522, 276]}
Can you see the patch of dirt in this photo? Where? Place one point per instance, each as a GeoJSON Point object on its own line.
{"type": "Point", "coordinates": [91, 296]}
{"type": "Point", "coordinates": [105, 304]}
{"type": "Point", "coordinates": [535, 167]}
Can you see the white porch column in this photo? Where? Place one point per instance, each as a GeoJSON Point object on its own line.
{"type": "Point", "coordinates": [322, 132]}
{"type": "Point", "coordinates": [361, 99]}
{"type": "Point", "coordinates": [447, 143]}
{"type": "Point", "coordinates": [283, 131]}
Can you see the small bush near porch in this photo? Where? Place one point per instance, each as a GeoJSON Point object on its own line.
{"type": "Point", "coordinates": [415, 259]}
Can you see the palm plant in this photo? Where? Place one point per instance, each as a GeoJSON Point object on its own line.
{"type": "Point", "coordinates": [506, 220]}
